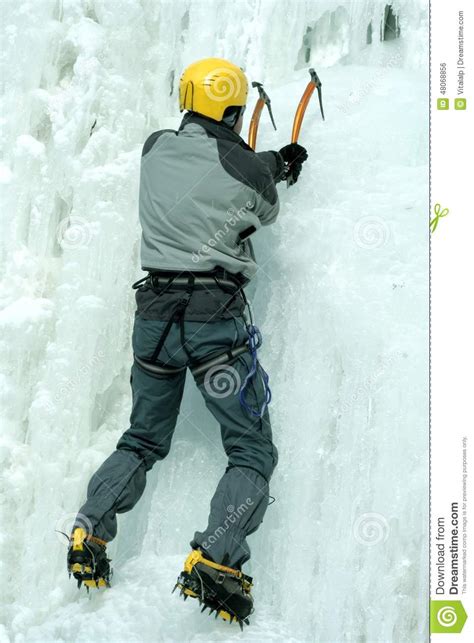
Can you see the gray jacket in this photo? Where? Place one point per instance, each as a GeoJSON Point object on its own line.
{"type": "Point", "coordinates": [203, 192]}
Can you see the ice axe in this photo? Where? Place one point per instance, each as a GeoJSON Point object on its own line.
{"type": "Point", "coordinates": [263, 99]}
{"type": "Point", "coordinates": [314, 83]}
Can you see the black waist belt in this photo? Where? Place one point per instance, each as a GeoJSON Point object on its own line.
{"type": "Point", "coordinates": [162, 280]}
{"type": "Point", "coordinates": [200, 283]}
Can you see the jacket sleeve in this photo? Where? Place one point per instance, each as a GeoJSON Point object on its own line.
{"type": "Point", "coordinates": [267, 205]}
{"type": "Point", "coordinates": [275, 162]}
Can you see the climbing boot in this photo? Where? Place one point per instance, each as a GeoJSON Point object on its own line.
{"type": "Point", "coordinates": [225, 591]}
{"type": "Point", "coordinates": [87, 560]}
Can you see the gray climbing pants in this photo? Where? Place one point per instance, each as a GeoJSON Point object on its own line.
{"type": "Point", "coordinates": [241, 499]}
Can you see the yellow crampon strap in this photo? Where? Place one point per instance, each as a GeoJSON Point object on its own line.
{"type": "Point", "coordinates": [80, 535]}
{"type": "Point", "coordinates": [78, 538]}
{"type": "Point", "coordinates": [196, 556]}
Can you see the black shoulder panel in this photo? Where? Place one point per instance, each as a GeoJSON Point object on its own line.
{"type": "Point", "coordinates": [151, 140]}
{"type": "Point", "coordinates": [245, 166]}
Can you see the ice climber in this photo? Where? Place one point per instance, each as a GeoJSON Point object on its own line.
{"type": "Point", "coordinates": [203, 193]}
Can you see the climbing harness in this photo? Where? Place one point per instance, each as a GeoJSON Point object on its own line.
{"type": "Point", "coordinates": [161, 282]}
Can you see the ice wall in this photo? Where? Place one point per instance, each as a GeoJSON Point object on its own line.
{"type": "Point", "coordinates": [83, 84]}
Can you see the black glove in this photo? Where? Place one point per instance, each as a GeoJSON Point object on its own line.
{"type": "Point", "coordinates": [294, 156]}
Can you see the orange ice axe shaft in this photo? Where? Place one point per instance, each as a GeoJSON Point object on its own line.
{"type": "Point", "coordinates": [313, 84]}
{"type": "Point", "coordinates": [263, 100]}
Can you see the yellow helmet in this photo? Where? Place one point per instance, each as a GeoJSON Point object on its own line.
{"type": "Point", "coordinates": [211, 85]}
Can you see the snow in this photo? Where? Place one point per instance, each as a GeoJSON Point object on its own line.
{"type": "Point", "coordinates": [341, 298]}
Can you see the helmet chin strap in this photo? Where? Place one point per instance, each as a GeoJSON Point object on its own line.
{"type": "Point", "coordinates": [231, 119]}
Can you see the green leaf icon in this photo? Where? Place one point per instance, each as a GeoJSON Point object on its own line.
{"type": "Point", "coordinates": [447, 617]}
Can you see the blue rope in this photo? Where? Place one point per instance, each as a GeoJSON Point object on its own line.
{"type": "Point", "coordinates": [256, 370]}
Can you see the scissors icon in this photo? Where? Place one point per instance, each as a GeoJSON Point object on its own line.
{"type": "Point", "coordinates": [439, 214]}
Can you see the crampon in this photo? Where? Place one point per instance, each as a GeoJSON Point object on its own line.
{"type": "Point", "coordinates": [222, 590]}
{"type": "Point", "coordinates": [87, 560]}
